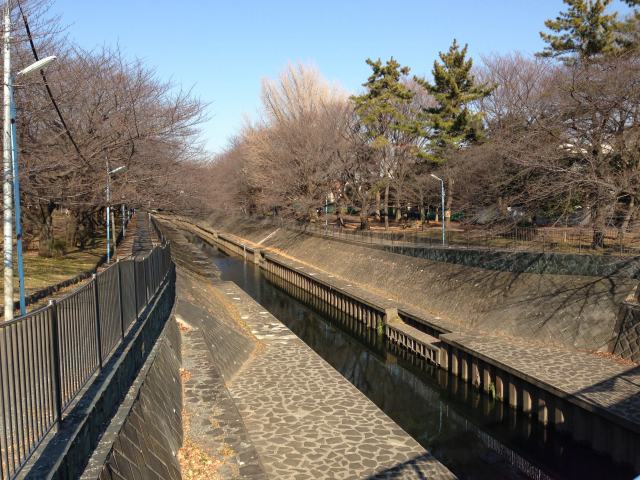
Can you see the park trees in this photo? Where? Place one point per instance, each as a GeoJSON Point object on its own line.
{"type": "Point", "coordinates": [582, 149]}
{"type": "Point", "coordinates": [552, 135]}
{"type": "Point", "coordinates": [293, 151]}
{"type": "Point", "coordinates": [91, 109]}
{"type": "Point", "coordinates": [384, 112]}
{"type": "Point", "coordinates": [452, 123]}
{"type": "Point", "coordinates": [584, 30]}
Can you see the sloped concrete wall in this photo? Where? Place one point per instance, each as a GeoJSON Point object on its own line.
{"type": "Point", "coordinates": [628, 342]}
{"type": "Point", "coordinates": [579, 311]}
{"type": "Point", "coordinates": [146, 434]}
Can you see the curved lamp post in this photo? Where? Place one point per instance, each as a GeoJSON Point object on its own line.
{"type": "Point", "coordinates": [109, 173]}
{"type": "Point", "coordinates": [444, 241]}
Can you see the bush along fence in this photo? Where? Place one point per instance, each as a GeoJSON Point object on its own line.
{"type": "Point", "coordinates": [49, 355]}
{"type": "Point", "coordinates": [524, 239]}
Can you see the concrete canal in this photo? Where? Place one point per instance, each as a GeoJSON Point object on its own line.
{"type": "Point", "coordinates": [475, 436]}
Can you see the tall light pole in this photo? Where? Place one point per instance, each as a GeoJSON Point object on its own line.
{"type": "Point", "coordinates": [109, 173]}
{"type": "Point", "coordinates": [7, 186]}
{"type": "Point", "coordinates": [124, 223]}
{"type": "Point", "coordinates": [444, 241]}
{"type": "Point", "coordinates": [36, 66]}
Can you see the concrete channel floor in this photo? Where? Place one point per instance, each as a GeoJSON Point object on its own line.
{"type": "Point", "coordinates": [285, 413]}
{"type": "Point", "coordinates": [599, 384]}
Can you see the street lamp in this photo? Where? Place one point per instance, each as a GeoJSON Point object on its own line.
{"type": "Point", "coordinates": [109, 173]}
{"type": "Point", "coordinates": [34, 67]}
{"type": "Point", "coordinates": [11, 184]}
{"type": "Point", "coordinates": [443, 215]}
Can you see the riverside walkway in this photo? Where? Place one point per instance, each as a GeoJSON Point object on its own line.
{"type": "Point", "coordinates": [279, 407]}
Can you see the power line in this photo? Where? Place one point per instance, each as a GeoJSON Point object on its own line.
{"type": "Point", "coordinates": [46, 84]}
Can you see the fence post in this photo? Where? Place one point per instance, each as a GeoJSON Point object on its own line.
{"type": "Point", "coordinates": [135, 285]}
{"type": "Point", "coordinates": [57, 363]}
{"type": "Point", "coordinates": [97, 313]}
{"type": "Point", "coordinates": [119, 267]}
{"type": "Point", "coordinates": [146, 283]}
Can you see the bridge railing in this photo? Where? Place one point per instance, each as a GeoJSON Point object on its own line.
{"type": "Point", "coordinates": [47, 356]}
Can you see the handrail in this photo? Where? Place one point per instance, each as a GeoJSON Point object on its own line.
{"type": "Point", "coordinates": [48, 355]}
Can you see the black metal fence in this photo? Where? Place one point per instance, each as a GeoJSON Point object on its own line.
{"type": "Point", "coordinates": [561, 240]}
{"type": "Point", "coordinates": [48, 356]}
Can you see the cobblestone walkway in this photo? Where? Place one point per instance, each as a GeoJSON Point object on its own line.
{"type": "Point", "coordinates": [307, 421]}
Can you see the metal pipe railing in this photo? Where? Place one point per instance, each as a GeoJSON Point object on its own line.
{"type": "Point", "coordinates": [47, 356]}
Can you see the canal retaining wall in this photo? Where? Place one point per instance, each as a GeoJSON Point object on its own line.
{"type": "Point", "coordinates": [143, 438]}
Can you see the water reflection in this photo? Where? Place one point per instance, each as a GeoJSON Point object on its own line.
{"type": "Point", "coordinates": [474, 436]}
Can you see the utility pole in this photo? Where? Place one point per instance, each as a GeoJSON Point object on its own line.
{"type": "Point", "coordinates": [7, 186]}
{"type": "Point", "coordinates": [16, 202]}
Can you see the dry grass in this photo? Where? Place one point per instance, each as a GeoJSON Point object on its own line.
{"type": "Point", "coordinates": [614, 358]}
{"type": "Point", "coordinates": [41, 272]}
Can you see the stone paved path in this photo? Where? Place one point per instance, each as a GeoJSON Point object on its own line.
{"type": "Point", "coordinates": [212, 421]}
{"type": "Point", "coordinates": [309, 422]}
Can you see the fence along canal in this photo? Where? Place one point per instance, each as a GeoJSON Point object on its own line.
{"type": "Point", "coordinates": [565, 456]}
{"type": "Point", "coordinates": [47, 356]}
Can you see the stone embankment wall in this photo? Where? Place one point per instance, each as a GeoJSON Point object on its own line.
{"type": "Point", "coordinates": [145, 435]}
{"type": "Point", "coordinates": [627, 343]}
{"type": "Point", "coordinates": [580, 311]}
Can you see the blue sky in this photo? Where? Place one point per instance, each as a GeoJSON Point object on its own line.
{"type": "Point", "coordinates": [224, 49]}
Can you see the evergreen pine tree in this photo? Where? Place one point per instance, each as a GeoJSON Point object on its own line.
{"type": "Point", "coordinates": [584, 30]}
{"type": "Point", "coordinates": [452, 123]}
{"type": "Point", "coordinates": [381, 112]}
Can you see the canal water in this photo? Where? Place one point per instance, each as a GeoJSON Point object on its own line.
{"type": "Point", "coordinates": [473, 435]}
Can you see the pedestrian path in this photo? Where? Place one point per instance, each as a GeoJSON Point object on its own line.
{"type": "Point", "coordinates": [307, 421]}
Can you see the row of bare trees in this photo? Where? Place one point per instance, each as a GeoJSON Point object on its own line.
{"type": "Point", "coordinates": [517, 138]}
{"type": "Point", "coordinates": [114, 111]}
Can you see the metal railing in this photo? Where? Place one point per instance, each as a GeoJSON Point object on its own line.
{"type": "Point", "coordinates": [47, 356]}
{"type": "Point", "coordinates": [561, 240]}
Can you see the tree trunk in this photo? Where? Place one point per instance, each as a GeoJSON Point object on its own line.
{"type": "Point", "coordinates": [385, 206]}
{"type": "Point", "coordinates": [398, 215]}
{"type": "Point", "coordinates": [364, 215]}
{"type": "Point", "coordinates": [45, 247]}
{"type": "Point", "coordinates": [377, 205]}
{"type": "Point", "coordinates": [598, 228]}
{"type": "Point", "coordinates": [364, 221]}
{"type": "Point", "coordinates": [627, 218]}
{"type": "Point", "coordinates": [73, 225]}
